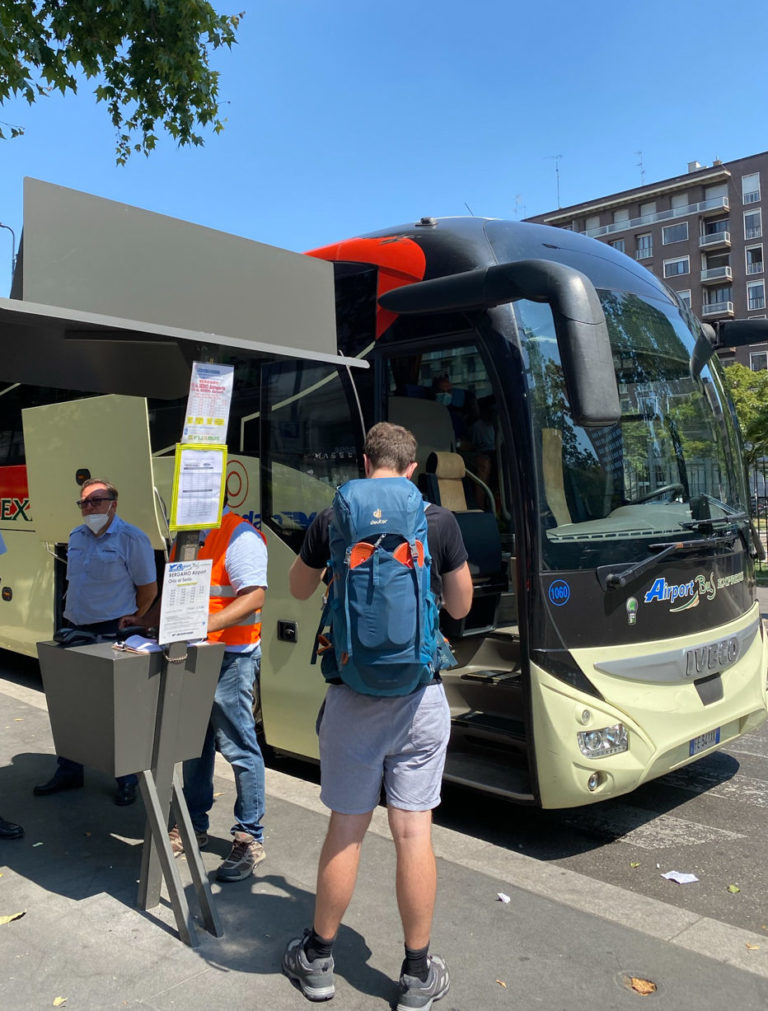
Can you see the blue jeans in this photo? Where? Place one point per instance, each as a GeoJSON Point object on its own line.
{"type": "Point", "coordinates": [232, 732]}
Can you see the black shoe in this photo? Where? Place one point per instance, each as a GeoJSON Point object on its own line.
{"type": "Point", "coordinates": [126, 794]}
{"type": "Point", "coordinates": [58, 782]}
{"type": "Point", "coordinates": [8, 830]}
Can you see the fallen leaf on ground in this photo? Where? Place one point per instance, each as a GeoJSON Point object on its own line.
{"type": "Point", "coordinates": [635, 863]}
{"type": "Point", "coordinates": [59, 1001]}
{"type": "Point", "coordinates": [753, 947]}
{"type": "Point", "coordinates": [642, 986]}
{"type": "Point", "coordinates": [733, 889]}
{"type": "Point", "coordinates": [12, 916]}
{"type": "Point", "coordinates": [502, 983]}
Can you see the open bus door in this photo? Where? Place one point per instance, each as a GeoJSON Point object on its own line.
{"type": "Point", "coordinates": [95, 437]}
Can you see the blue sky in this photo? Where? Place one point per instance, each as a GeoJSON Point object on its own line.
{"type": "Point", "coordinates": [346, 116]}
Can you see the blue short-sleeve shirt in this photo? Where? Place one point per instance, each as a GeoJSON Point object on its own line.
{"type": "Point", "coordinates": [103, 572]}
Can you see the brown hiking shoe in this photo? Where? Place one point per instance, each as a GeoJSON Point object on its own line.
{"type": "Point", "coordinates": [177, 844]}
{"type": "Point", "coordinates": [246, 853]}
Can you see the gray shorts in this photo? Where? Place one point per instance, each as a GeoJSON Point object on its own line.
{"type": "Point", "coordinates": [365, 740]}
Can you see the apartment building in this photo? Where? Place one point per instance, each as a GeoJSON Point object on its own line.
{"type": "Point", "coordinates": [701, 233]}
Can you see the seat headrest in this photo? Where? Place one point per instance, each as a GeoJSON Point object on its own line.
{"type": "Point", "coordinates": [449, 466]}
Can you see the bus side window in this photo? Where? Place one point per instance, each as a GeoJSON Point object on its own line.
{"type": "Point", "coordinates": [314, 444]}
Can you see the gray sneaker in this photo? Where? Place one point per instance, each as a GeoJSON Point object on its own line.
{"type": "Point", "coordinates": [245, 854]}
{"type": "Point", "coordinates": [177, 844]}
{"type": "Point", "coordinates": [314, 979]}
{"type": "Point", "coordinates": [417, 995]}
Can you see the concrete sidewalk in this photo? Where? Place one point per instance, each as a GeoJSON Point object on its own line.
{"type": "Point", "coordinates": [562, 942]}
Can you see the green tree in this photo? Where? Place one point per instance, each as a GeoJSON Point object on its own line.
{"type": "Point", "coordinates": [749, 392]}
{"type": "Point", "coordinates": [149, 59]}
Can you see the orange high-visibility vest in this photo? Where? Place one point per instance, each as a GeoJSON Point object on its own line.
{"type": "Point", "coordinates": [248, 631]}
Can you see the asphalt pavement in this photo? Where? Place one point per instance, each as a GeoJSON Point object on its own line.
{"type": "Point", "coordinates": [562, 941]}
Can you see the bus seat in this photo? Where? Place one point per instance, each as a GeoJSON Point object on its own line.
{"type": "Point", "coordinates": [552, 471]}
{"type": "Point", "coordinates": [446, 481]}
{"type": "Point", "coordinates": [443, 484]}
{"type": "Point", "coordinates": [443, 481]}
{"type": "Point", "coordinates": [429, 421]}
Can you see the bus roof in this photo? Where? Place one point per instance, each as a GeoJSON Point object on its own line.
{"type": "Point", "coordinates": [106, 296]}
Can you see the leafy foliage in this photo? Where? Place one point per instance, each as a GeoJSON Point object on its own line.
{"type": "Point", "coordinates": [150, 59]}
{"type": "Point", "coordinates": [749, 392]}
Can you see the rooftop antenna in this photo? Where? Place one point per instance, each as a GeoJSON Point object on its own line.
{"type": "Point", "coordinates": [469, 208]}
{"type": "Point", "coordinates": [640, 166]}
{"type": "Point", "coordinates": [519, 205]}
{"type": "Point", "coordinates": [556, 159]}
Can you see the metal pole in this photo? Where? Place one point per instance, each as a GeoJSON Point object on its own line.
{"type": "Point", "coordinates": [13, 247]}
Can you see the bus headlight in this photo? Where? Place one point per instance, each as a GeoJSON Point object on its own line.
{"type": "Point", "coordinates": [605, 741]}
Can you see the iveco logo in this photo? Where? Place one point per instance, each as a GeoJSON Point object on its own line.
{"type": "Point", "coordinates": [712, 658]}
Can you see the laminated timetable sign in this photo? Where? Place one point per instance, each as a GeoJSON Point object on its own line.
{"type": "Point", "coordinates": [184, 609]}
{"type": "Point", "coordinates": [199, 481]}
{"type": "Point", "coordinates": [210, 394]}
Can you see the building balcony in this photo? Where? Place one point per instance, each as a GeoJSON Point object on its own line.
{"type": "Point", "coordinates": [716, 274]}
{"type": "Point", "coordinates": [704, 207]}
{"type": "Point", "coordinates": [715, 240]}
{"type": "Point", "coordinates": [756, 267]}
{"type": "Point", "coordinates": [709, 207]}
{"type": "Point", "coordinates": [710, 309]}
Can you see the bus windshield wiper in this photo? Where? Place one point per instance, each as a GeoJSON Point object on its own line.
{"type": "Point", "coordinates": [612, 580]}
{"type": "Point", "coordinates": [715, 521]}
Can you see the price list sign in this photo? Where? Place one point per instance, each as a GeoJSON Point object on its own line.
{"type": "Point", "coordinates": [210, 394]}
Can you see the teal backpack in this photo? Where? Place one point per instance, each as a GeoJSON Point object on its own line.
{"type": "Point", "coordinates": [381, 616]}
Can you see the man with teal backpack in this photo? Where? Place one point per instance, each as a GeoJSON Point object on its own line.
{"type": "Point", "coordinates": [390, 558]}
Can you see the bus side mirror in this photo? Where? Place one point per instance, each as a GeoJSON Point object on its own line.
{"type": "Point", "coordinates": [580, 327]}
{"type": "Point", "coordinates": [726, 333]}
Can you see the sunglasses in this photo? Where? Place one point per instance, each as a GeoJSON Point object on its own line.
{"type": "Point", "coordinates": [93, 500]}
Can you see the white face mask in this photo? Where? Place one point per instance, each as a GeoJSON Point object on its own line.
{"type": "Point", "coordinates": [96, 521]}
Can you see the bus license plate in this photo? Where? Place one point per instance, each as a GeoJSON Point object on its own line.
{"type": "Point", "coordinates": [699, 744]}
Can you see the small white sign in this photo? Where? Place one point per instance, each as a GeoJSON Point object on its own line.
{"type": "Point", "coordinates": [210, 393]}
{"type": "Point", "coordinates": [184, 608]}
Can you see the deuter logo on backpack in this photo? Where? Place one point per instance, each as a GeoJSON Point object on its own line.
{"type": "Point", "coordinates": [383, 636]}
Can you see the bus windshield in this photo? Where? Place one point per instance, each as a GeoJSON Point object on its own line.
{"type": "Point", "coordinates": [606, 494]}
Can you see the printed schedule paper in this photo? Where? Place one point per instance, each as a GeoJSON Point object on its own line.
{"type": "Point", "coordinates": [184, 609]}
{"type": "Point", "coordinates": [198, 487]}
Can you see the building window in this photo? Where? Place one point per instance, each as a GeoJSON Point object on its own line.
{"type": "Point", "coordinates": [618, 244]}
{"type": "Point", "coordinates": [750, 188]}
{"type": "Point", "coordinates": [593, 221]}
{"type": "Point", "coordinates": [756, 295]}
{"type": "Point", "coordinates": [621, 216]}
{"type": "Point", "coordinates": [758, 360]}
{"type": "Point", "coordinates": [675, 233]}
{"type": "Point", "coordinates": [753, 224]}
{"type": "Point", "coordinates": [714, 295]}
{"type": "Point", "coordinates": [685, 297]}
{"type": "Point", "coordinates": [680, 265]}
{"type": "Point", "coordinates": [716, 227]}
{"type": "Point", "coordinates": [648, 209]}
{"type": "Point", "coordinates": [679, 201]}
{"type": "Point", "coordinates": [644, 246]}
{"type": "Point", "coordinates": [754, 259]}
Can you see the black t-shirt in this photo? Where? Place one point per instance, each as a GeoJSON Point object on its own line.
{"type": "Point", "coordinates": [443, 535]}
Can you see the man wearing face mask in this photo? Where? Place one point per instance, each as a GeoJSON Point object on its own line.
{"type": "Point", "coordinates": [111, 574]}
